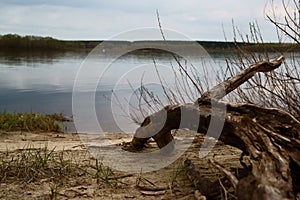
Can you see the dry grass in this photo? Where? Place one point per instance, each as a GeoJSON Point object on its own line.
{"type": "Point", "coordinates": [278, 89]}
{"type": "Point", "coordinates": [32, 164]}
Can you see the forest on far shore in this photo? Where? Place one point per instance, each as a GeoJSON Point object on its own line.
{"type": "Point", "coordinates": [14, 42]}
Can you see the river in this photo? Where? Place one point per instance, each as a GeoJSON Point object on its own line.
{"type": "Point", "coordinates": [44, 83]}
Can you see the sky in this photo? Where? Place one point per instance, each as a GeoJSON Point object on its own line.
{"type": "Point", "coordinates": [104, 19]}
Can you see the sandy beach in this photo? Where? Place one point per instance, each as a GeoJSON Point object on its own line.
{"type": "Point", "coordinates": [167, 183]}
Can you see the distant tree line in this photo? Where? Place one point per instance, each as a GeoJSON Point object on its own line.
{"type": "Point", "coordinates": [219, 46]}
{"type": "Point", "coordinates": [14, 42]}
{"type": "Point", "coordinates": [36, 43]}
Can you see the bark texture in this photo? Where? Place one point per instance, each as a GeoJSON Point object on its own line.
{"type": "Point", "coordinates": [270, 137]}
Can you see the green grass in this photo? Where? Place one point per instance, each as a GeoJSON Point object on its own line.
{"type": "Point", "coordinates": [31, 122]}
{"type": "Point", "coordinates": [31, 164]}
{"type": "Point", "coordinates": [104, 174]}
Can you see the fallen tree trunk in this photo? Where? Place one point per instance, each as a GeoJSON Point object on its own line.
{"type": "Point", "coordinates": [270, 137]}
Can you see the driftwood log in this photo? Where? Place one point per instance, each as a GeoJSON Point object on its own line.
{"type": "Point", "coordinates": [270, 137]}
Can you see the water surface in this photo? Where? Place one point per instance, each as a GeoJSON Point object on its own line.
{"type": "Point", "coordinates": [44, 83]}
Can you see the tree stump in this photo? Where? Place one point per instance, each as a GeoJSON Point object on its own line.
{"type": "Point", "coordinates": [269, 136]}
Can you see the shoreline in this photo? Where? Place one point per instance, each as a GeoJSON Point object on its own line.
{"type": "Point", "coordinates": [12, 43]}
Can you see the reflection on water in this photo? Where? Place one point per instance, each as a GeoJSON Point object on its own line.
{"type": "Point", "coordinates": [44, 82]}
{"type": "Point", "coordinates": [38, 82]}
{"type": "Point", "coordinates": [38, 72]}
{"type": "Point", "coordinates": [33, 58]}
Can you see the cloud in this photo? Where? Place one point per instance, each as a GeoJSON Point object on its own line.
{"type": "Point", "coordinates": [94, 19]}
{"type": "Point", "coordinates": [72, 3]}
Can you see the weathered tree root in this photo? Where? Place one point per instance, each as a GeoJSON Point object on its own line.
{"type": "Point", "coordinates": [269, 136]}
{"type": "Point", "coordinates": [207, 188]}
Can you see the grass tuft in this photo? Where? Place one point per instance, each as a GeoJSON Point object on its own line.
{"type": "Point", "coordinates": [31, 164]}
{"type": "Point", "coordinates": [31, 122]}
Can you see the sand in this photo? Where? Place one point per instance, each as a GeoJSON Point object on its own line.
{"type": "Point", "coordinates": [169, 182]}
